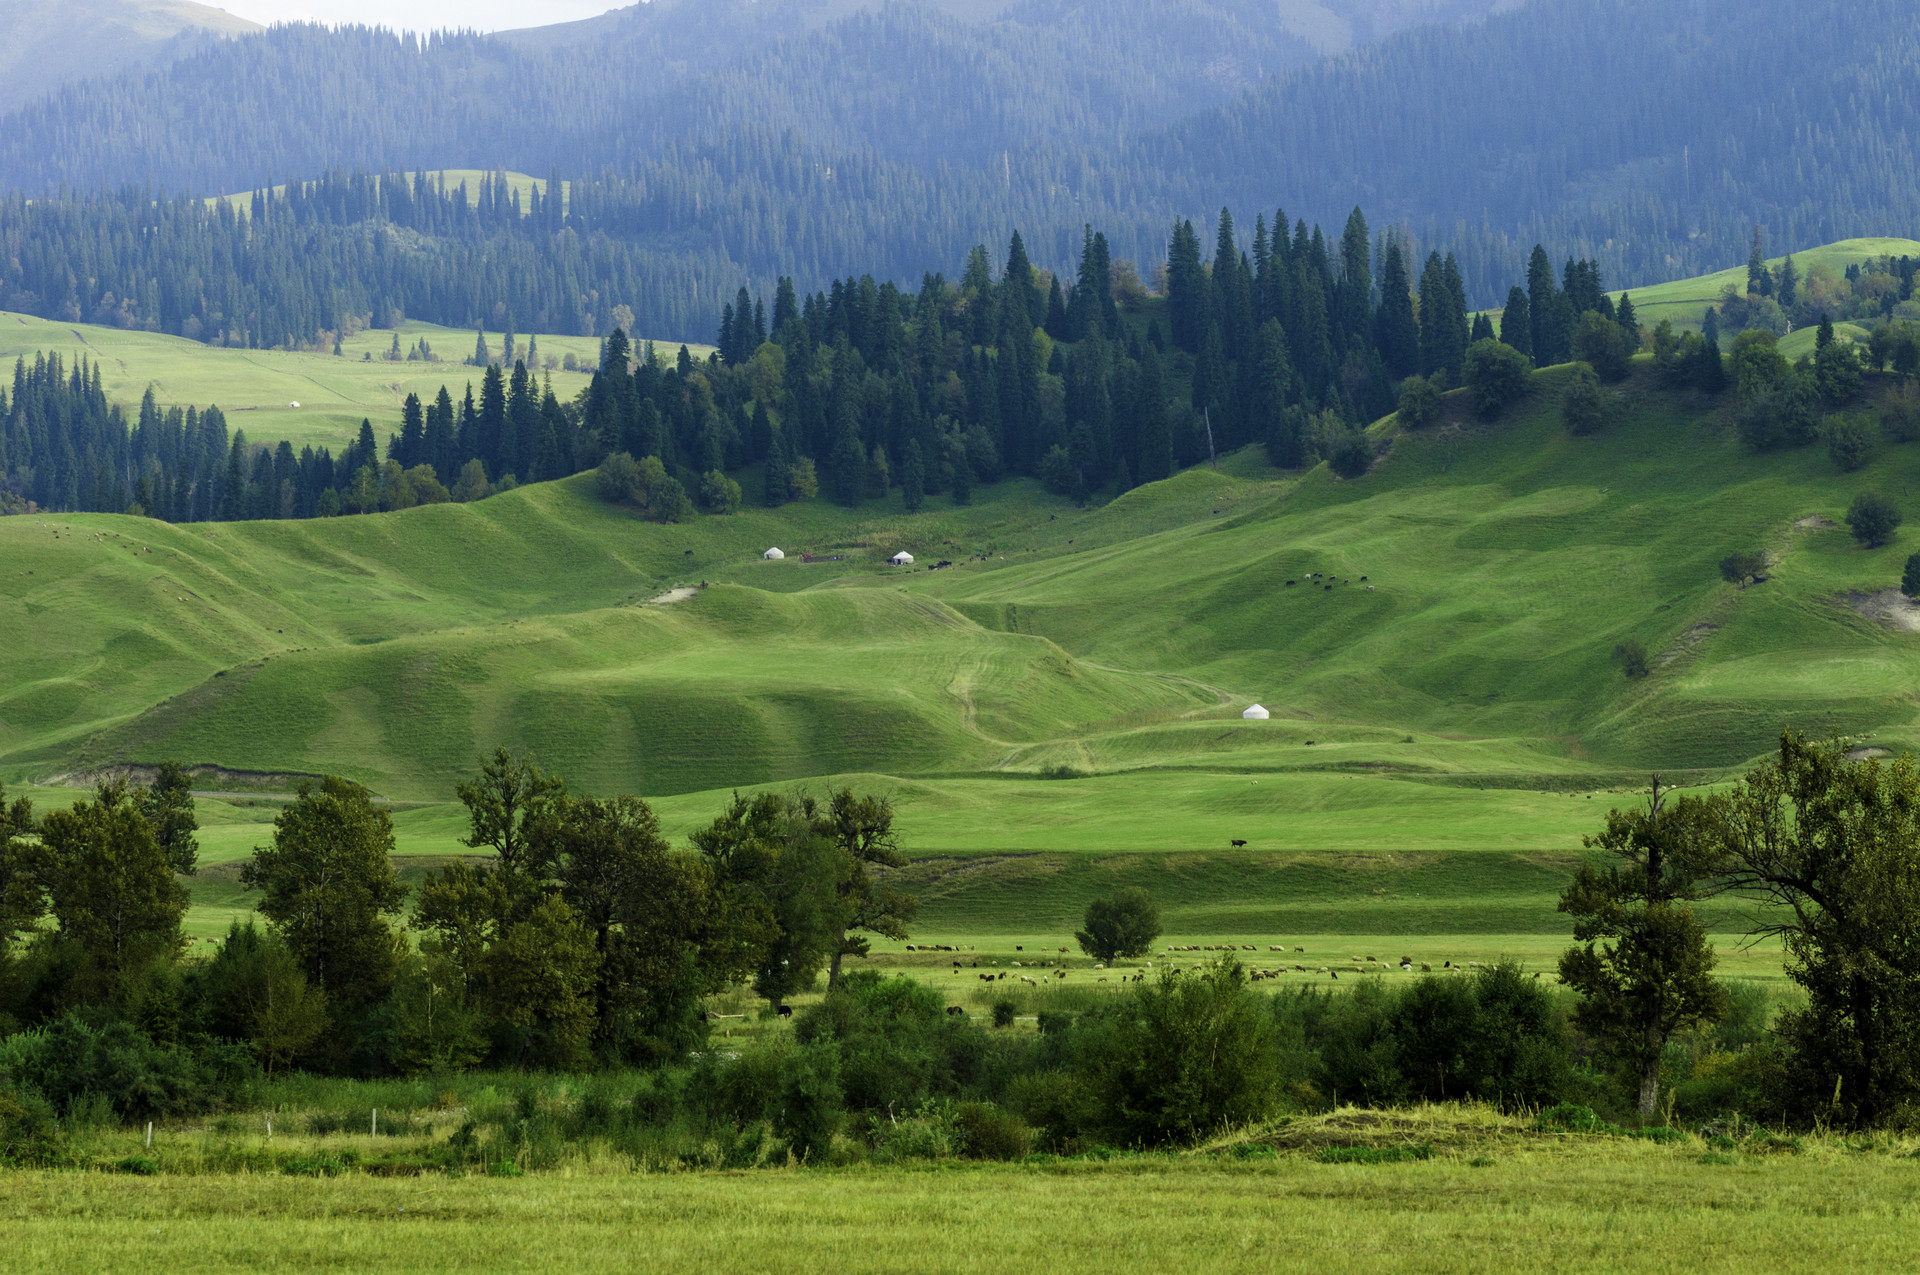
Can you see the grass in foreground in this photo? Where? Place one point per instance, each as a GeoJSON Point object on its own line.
{"type": "Point", "coordinates": [1492, 1195]}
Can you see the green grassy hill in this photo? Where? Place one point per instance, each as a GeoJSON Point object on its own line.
{"type": "Point", "coordinates": [1059, 708]}
{"type": "Point", "coordinates": [256, 388]}
{"type": "Point", "coordinates": [1685, 301]}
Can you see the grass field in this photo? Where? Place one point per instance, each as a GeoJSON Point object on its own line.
{"type": "Point", "coordinates": [1492, 1194]}
{"type": "Point", "coordinates": [254, 388]}
{"type": "Point", "coordinates": [1685, 301]}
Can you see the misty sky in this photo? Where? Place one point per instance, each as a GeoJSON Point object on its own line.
{"type": "Point", "coordinates": [420, 15]}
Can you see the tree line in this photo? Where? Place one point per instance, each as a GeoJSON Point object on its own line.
{"type": "Point", "coordinates": [577, 936]}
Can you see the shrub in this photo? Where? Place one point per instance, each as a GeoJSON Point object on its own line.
{"type": "Point", "coordinates": [719, 493]}
{"type": "Point", "coordinates": [1738, 568]}
{"type": "Point", "coordinates": [1601, 344]}
{"type": "Point", "coordinates": [76, 1058]}
{"type": "Point", "coordinates": [988, 1133]}
{"type": "Point", "coordinates": [1125, 924]}
{"type": "Point", "coordinates": [1419, 401]}
{"type": "Point", "coordinates": [1187, 1056]}
{"type": "Point", "coordinates": [1351, 454]}
{"type": "Point", "coordinates": [1584, 405]}
{"type": "Point", "coordinates": [29, 1136]}
{"type": "Point", "coordinates": [1910, 578]}
{"type": "Point", "coordinates": [810, 1105]}
{"type": "Point", "coordinates": [1850, 442]}
{"type": "Point", "coordinates": [1495, 376]}
{"type": "Point", "coordinates": [1056, 470]}
{"type": "Point", "coordinates": [1873, 519]}
{"type": "Point", "coordinates": [1003, 1013]}
{"type": "Point", "coordinates": [1631, 656]}
{"type": "Point", "coordinates": [1756, 364]}
{"type": "Point", "coordinates": [1900, 417]}
{"type": "Point", "coordinates": [617, 479]}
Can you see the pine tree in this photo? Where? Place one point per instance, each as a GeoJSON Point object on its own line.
{"type": "Point", "coordinates": [913, 478]}
{"type": "Point", "coordinates": [1516, 322]}
{"type": "Point", "coordinates": [1788, 285]}
{"type": "Point", "coordinates": [1356, 279]}
{"type": "Point", "coordinates": [1397, 333]}
{"type": "Point", "coordinates": [413, 432]}
{"type": "Point", "coordinates": [776, 493]}
{"type": "Point", "coordinates": [1629, 323]}
{"type": "Point", "coordinates": [1759, 278]}
{"type": "Point", "coordinates": [1156, 440]}
{"type": "Point", "coordinates": [1186, 289]}
{"type": "Point", "coordinates": [1542, 306]}
{"type": "Point", "coordinates": [481, 355]}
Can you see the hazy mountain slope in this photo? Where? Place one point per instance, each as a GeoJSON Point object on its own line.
{"type": "Point", "coordinates": [49, 45]}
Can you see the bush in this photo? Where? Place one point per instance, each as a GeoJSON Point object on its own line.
{"type": "Point", "coordinates": [1004, 1012]}
{"type": "Point", "coordinates": [1351, 454]}
{"type": "Point", "coordinates": [1187, 1056]}
{"type": "Point", "coordinates": [1495, 375]}
{"type": "Point", "coordinates": [1738, 568]}
{"type": "Point", "coordinates": [810, 1105]}
{"type": "Point", "coordinates": [988, 1133]}
{"type": "Point", "coordinates": [1788, 416]}
{"type": "Point", "coordinates": [1631, 656]}
{"type": "Point", "coordinates": [29, 1136]}
{"type": "Point", "coordinates": [1601, 344]}
{"type": "Point", "coordinates": [1125, 924]}
{"type": "Point", "coordinates": [77, 1058]}
{"type": "Point", "coordinates": [1850, 442]}
{"type": "Point", "coordinates": [1873, 519]}
{"type": "Point", "coordinates": [1900, 417]}
{"type": "Point", "coordinates": [1910, 578]}
{"type": "Point", "coordinates": [1056, 470]}
{"type": "Point", "coordinates": [1419, 401]}
{"type": "Point", "coordinates": [719, 493]}
{"type": "Point", "coordinates": [617, 479]}
{"type": "Point", "coordinates": [1584, 405]}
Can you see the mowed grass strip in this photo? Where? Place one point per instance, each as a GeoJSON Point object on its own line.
{"type": "Point", "coordinates": [1607, 1205]}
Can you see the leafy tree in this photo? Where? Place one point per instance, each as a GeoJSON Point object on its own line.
{"type": "Point", "coordinates": [1825, 844]}
{"type": "Point", "coordinates": [1910, 578]}
{"type": "Point", "coordinates": [1756, 364]}
{"type": "Point", "coordinates": [1646, 970]}
{"type": "Point", "coordinates": [862, 827]}
{"type": "Point", "coordinates": [660, 929]}
{"type": "Point", "coordinates": [254, 991]}
{"type": "Point", "coordinates": [539, 976]}
{"type": "Point", "coordinates": [1495, 375]}
{"type": "Point", "coordinates": [1850, 442]}
{"type": "Point", "coordinates": [1600, 344]}
{"type": "Point", "coordinates": [719, 493]}
{"type": "Point", "coordinates": [1738, 568]}
{"type": "Point", "coordinates": [472, 483]}
{"type": "Point", "coordinates": [1124, 924]}
{"type": "Point", "coordinates": [1056, 470]}
{"type": "Point", "coordinates": [1631, 656]}
{"type": "Point", "coordinates": [328, 885]}
{"type": "Point", "coordinates": [1585, 405]}
{"type": "Point", "coordinates": [777, 859]}
{"type": "Point", "coordinates": [111, 889]}
{"type": "Point", "coordinates": [1873, 519]}
{"type": "Point", "coordinates": [167, 804]}
{"type": "Point", "coordinates": [1419, 401]}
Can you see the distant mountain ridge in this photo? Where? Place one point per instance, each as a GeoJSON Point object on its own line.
{"type": "Point", "coordinates": [50, 45]}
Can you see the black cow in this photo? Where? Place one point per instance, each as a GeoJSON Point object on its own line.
{"type": "Point", "coordinates": [786, 1011]}
{"type": "Point", "coordinates": [1238, 844]}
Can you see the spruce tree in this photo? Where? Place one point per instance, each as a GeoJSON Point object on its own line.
{"type": "Point", "coordinates": [913, 478]}
{"type": "Point", "coordinates": [1759, 278]}
{"type": "Point", "coordinates": [1356, 280]}
{"type": "Point", "coordinates": [1788, 286]}
{"type": "Point", "coordinates": [1629, 323]}
{"type": "Point", "coordinates": [1542, 298]}
{"type": "Point", "coordinates": [1156, 440]}
{"type": "Point", "coordinates": [1516, 322]}
{"type": "Point", "coordinates": [1397, 333]}
{"type": "Point", "coordinates": [776, 491]}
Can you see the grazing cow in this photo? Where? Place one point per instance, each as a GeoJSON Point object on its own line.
{"type": "Point", "coordinates": [1238, 844]}
{"type": "Point", "coordinates": [954, 1011]}
{"type": "Point", "coordinates": [1289, 584]}
{"type": "Point", "coordinates": [1299, 949]}
{"type": "Point", "coordinates": [786, 1011]}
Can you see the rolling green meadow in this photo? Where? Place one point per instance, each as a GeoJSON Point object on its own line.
{"type": "Point", "coordinates": [1447, 716]}
{"type": "Point", "coordinates": [1055, 712]}
{"type": "Point", "coordinates": [256, 388]}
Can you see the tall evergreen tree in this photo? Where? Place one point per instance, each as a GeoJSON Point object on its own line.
{"type": "Point", "coordinates": [1516, 322]}
{"type": "Point", "coordinates": [1397, 333]}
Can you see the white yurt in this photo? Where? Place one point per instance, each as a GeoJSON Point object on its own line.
{"type": "Point", "coordinates": [773, 555]}
{"type": "Point", "coordinates": [901, 559]}
{"type": "Point", "coordinates": [1256, 714]}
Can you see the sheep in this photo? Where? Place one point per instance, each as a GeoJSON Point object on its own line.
{"type": "Point", "coordinates": [1299, 949]}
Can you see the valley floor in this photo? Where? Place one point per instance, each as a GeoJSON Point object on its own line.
{"type": "Point", "coordinates": [1493, 1195]}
